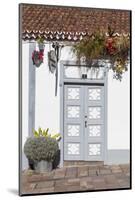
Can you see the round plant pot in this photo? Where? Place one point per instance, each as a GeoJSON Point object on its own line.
{"type": "Point", "coordinates": [56, 160]}
{"type": "Point", "coordinates": [43, 166]}
{"type": "Point", "coordinates": [31, 164]}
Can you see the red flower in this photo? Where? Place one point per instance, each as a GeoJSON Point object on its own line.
{"type": "Point", "coordinates": [110, 46]}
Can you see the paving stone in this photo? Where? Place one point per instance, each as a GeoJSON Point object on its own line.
{"type": "Point", "coordinates": [83, 184]}
{"type": "Point", "coordinates": [45, 184]}
{"type": "Point", "coordinates": [127, 174]}
{"type": "Point", "coordinates": [112, 186]}
{"type": "Point", "coordinates": [59, 173]}
{"type": "Point", "coordinates": [116, 169]}
{"type": "Point", "coordinates": [104, 171]}
{"type": "Point", "coordinates": [100, 187]}
{"type": "Point", "coordinates": [32, 186]}
{"type": "Point", "coordinates": [68, 163]}
{"type": "Point", "coordinates": [83, 163]}
{"type": "Point", "coordinates": [124, 187]}
{"type": "Point", "coordinates": [28, 191]}
{"type": "Point", "coordinates": [125, 168]}
{"type": "Point", "coordinates": [73, 188]}
{"type": "Point", "coordinates": [88, 179]}
{"type": "Point", "coordinates": [48, 176]}
{"type": "Point", "coordinates": [43, 190]}
{"type": "Point", "coordinates": [122, 176]}
{"type": "Point", "coordinates": [60, 188]}
{"type": "Point", "coordinates": [110, 179]}
{"type": "Point", "coordinates": [98, 179]}
{"type": "Point", "coordinates": [71, 172]}
{"type": "Point", "coordinates": [118, 175]}
{"type": "Point", "coordinates": [24, 179]}
{"type": "Point", "coordinates": [67, 182]}
{"type": "Point", "coordinates": [94, 167]}
{"type": "Point", "coordinates": [34, 178]}
{"type": "Point", "coordinates": [40, 177]}
{"type": "Point", "coordinates": [90, 186]}
{"type": "Point", "coordinates": [83, 171]}
{"type": "Point", "coordinates": [65, 188]}
{"type": "Point", "coordinates": [99, 183]}
{"type": "Point", "coordinates": [123, 183]}
{"type": "Point", "coordinates": [61, 182]}
{"type": "Point", "coordinates": [93, 172]}
{"type": "Point", "coordinates": [75, 181]}
{"type": "Point", "coordinates": [86, 183]}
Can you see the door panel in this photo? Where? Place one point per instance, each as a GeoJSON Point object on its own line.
{"type": "Point", "coordinates": [94, 122]}
{"type": "Point", "coordinates": [83, 122]}
{"type": "Point", "coordinates": [73, 124]}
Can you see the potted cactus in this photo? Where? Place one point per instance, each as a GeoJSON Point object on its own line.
{"type": "Point", "coordinates": [41, 150]}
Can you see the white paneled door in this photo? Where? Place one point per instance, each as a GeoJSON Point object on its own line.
{"type": "Point", "coordinates": [83, 122]}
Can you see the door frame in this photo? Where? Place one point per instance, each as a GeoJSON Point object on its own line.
{"type": "Point", "coordinates": [63, 81]}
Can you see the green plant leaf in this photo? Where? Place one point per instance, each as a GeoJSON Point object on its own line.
{"type": "Point", "coordinates": [47, 131]}
{"type": "Point", "coordinates": [40, 131]}
{"type": "Point", "coordinates": [56, 135]}
{"type": "Point", "coordinates": [36, 134]}
{"type": "Point", "coordinates": [44, 133]}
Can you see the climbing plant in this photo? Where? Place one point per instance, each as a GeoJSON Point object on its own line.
{"type": "Point", "coordinates": [107, 46]}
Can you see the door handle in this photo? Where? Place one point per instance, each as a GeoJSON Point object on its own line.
{"type": "Point", "coordinates": [85, 124]}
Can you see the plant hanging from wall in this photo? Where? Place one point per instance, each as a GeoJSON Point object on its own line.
{"type": "Point", "coordinates": [38, 55]}
{"type": "Point", "coordinates": [37, 58]}
{"type": "Point", "coordinates": [106, 46]}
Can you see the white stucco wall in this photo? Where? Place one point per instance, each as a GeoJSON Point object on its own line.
{"type": "Point", "coordinates": [47, 111]}
{"type": "Point", "coordinates": [25, 81]}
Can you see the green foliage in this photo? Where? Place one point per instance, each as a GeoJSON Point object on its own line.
{"type": "Point", "coordinates": [104, 46]}
{"type": "Point", "coordinates": [45, 133]}
{"type": "Point", "coordinates": [91, 47]}
{"type": "Point", "coordinates": [41, 148]}
{"type": "Point", "coordinates": [40, 40]}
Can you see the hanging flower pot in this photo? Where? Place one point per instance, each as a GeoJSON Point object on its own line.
{"type": "Point", "coordinates": [41, 46]}
{"type": "Point", "coordinates": [102, 46]}
{"type": "Point", "coordinates": [119, 68]}
{"type": "Point", "coordinates": [37, 58]}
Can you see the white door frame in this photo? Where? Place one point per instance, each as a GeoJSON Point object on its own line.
{"type": "Point", "coordinates": [64, 80]}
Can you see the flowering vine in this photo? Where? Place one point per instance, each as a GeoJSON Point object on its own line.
{"type": "Point", "coordinates": [102, 45]}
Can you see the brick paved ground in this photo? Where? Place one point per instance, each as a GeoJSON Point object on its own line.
{"type": "Point", "coordinates": [76, 178]}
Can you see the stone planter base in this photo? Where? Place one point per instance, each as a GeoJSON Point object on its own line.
{"type": "Point", "coordinates": [43, 166]}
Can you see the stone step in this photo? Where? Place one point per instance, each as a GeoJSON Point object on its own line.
{"type": "Point", "coordinates": [82, 163]}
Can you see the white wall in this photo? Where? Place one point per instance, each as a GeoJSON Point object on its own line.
{"type": "Point", "coordinates": [25, 104]}
{"type": "Point", "coordinates": [47, 114]}
{"type": "Point", "coordinates": [47, 105]}
{"type": "Point", "coordinates": [118, 112]}
{"type": "Point", "coordinates": [25, 81]}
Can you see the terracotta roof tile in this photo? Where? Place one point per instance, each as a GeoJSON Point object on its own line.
{"type": "Point", "coordinates": [67, 23]}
